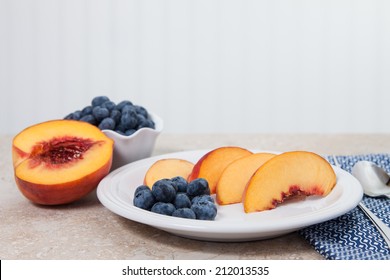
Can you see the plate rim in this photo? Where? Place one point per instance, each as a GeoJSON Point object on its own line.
{"type": "Point", "coordinates": [197, 229]}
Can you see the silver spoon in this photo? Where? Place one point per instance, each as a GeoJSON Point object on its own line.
{"type": "Point", "coordinates": [365, 173]}
{"type": "Point", "coordinates": [375, 181]}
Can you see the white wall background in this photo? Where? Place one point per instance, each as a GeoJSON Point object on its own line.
{"type": "Point", "coordinates": [203, 66]}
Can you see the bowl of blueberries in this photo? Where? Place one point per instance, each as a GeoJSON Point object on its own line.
{"type": "Point", "coordinates": [133, 128]}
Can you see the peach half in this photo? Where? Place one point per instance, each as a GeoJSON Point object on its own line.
{"type": "Point", "coordinates": [286, 175]}
{"type": "Point", "coordinates": [60, 161]}
{"type": "Point", "coordinates": [167, 169]}
{"type": "Point", "coordinates": [232, 183]}
{"type": "Point", "coordinates": [211, 165]}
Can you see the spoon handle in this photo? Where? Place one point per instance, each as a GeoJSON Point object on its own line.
{"type": "Point", "coordinates": [383, 229]}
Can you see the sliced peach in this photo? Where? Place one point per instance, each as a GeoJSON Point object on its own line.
{"type": "Point", "coordinates": [286, 175]}
{"type": "Point", "coordinates": [60, 161]}
{"type": "Point", "coordinates": [231, 185]}
{"type": "Point", "coordinates": [212, 164]}
{"type": "Point", "coordinates": [167, 169]}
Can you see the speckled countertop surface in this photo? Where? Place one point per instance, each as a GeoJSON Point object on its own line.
{"type": "Point", "coordinates": [87, 230]}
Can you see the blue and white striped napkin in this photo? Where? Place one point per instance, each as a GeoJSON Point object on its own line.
{"type": "Point", "coordinates": [352, 236]}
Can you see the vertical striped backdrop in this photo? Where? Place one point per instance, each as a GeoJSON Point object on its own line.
{"type": "Point", "coordinates": [203, 66]}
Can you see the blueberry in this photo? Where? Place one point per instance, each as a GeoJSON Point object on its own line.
{"type": "Point", "coordinates": [141, 188]}
{"type": "Point", "coordinates": [109, 105]}
{"type": "Point", "coordinates": [204, 210]}
{"type": "Point", "coordinates": [200, 198]}
{"type": "Point", "coordinates": [125, 118]}
{"type": "Point", "coordinates": [182, 201]}
{"type": "Point", "coordinates": [151, 124]}
{"type": "Point", "coordinates": [146, 123]}
{"type": "Point", "coordinates": [140, 118]}
{"type": "Point", "coordinates": [128, 120]}
{"type": "Point", "coordinates": [120, 128]}
{"type": "Point", "coordinates": [69, 117]}
{"type": "Point", "coordinates": [186, 213]}
{"type": "Point", "coordinates": [115, 115]}
{"type": "Point", "coordinates": [180, 183]}
{"type": "Point", "coordinates": [163, 190]}
{"type": "Point", "coordinates": [89, 119]}
{"type": "Point", "coordinates": [163, 208]}
{"type": "Point", "coordinates": [141, 110]}
{"type": "Point", "coordinates": [144, 199]}
{"type": "Point", "coordinates": [73, 116]}
{"type": "Point", "coordinates": [77, 115]}
{"type": "Point", "coordinates": [107, 123]}
{"type": "Point", "coordinates": [129, 108]}
{"type": "Point", "coordinates": [122, 104]}
{"type": "Point", "coordinates": [99, 100]}
{"type": "Point", "coordinates": [173, 184]}
{"type": "Point", "coordinates": [86, 111]}
{"type": "Point", "coordinates": [100, 113]}
{"type": "Point", "coordinates": [198, 187]}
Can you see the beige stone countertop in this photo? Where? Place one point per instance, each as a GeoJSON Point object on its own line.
{"type": "Point", "coordinates": [87, 230]}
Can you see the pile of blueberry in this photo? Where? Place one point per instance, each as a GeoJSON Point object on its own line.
{"type": "Point", "coordinates": [175, 197]}
{"type": "Point", "coordinates": [124, 117]}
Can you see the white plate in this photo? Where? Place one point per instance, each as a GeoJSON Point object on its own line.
{"type": "Point", "coordinates": [116, 192]}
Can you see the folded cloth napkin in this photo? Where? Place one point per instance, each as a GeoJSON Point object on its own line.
{"type": "Point", "coordinates": [352, 236]}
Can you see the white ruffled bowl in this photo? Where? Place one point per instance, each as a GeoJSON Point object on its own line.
{"type": "Point", "coordinates": [136, 146]}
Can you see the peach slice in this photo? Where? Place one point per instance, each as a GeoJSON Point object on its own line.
{"type": "Point", "coordinates": [167, 169]}
{"type": "Point", "coordinates": [60, 161]}
{"type": "Point", "coordinates": [231, 185]}
{"type": "Point", "coordinates": [288, 174]}
{"type": "Point", "coordinates": [212, 164]}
